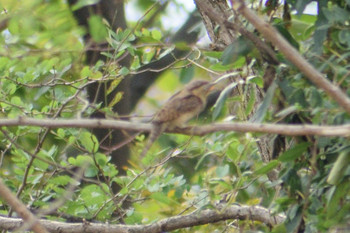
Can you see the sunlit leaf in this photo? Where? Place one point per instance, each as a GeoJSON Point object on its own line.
{"type": "Point", "coordinates": [118, 96]}
{"type": "Point", "coordinates": [85, 72]}
{"type": "Point", "coordinates": [113, 85]}
{"type": "Point", "coordinates": [156, 34]}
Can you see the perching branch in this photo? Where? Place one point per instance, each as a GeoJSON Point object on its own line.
{"type": "Point", "coordinates": [221, 213]}
{"type": "Point", "coordinates": [242, 127]}
{"type": "Point", "coordinates": [293, 55]}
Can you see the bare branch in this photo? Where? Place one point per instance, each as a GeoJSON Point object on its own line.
{"type": "Point", "coordinates": [293, 55]}
{"type": "Point", "coordinates": [29, 219]}
{"type": "Point", "coordinates": [243, 127]}
{"type": "Point", "coordinates": [222, 213]}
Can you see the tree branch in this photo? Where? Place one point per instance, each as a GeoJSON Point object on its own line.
{"type": "Point", "coordinates": [29, 219]}
{"type": "Point", "coordinates": [223, 212]}
{"type": "Point", "coordinates": [243, 127]}
{"type": "Point", "coordinates": [293, 55]}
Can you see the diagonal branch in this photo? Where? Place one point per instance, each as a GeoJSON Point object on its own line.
{"type": "Point", "coordinates": [242, 127]}
{"type": "Point", "coordinates": [293, 55]}
{"type": "Point", "coordinates": [28, 218]}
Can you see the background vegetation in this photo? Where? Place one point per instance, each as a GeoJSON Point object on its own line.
{"type": "Point", "coordinates": [76, 60]}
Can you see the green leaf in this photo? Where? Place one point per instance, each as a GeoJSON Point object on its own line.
{"type": "Point", "coordinates": [336, 198]}
{"type": "Point", "coordinates": [83, 3]}
{"type": "Point", "coordinates": [101, 159]}
{"type": "Point", "coordinates": [135, 63]}
{"type": "Point", "coordinates": [93, 196]}
{"type": "Point", "coordinates": [89, 141]}
{"type": "Point", "coordinates": [221, 100]}
{"type": "Point", "coordinates": [85, 72]}
{"type": "Point", "coordinates": [124, 71]}
{"type": "Point", "coordinates": [266, 168]}
{"type": "Point", "coordinates": [147, 55]}
{"type": "Point", "coordinates": [279, 25]}
{"type": "Point", "coordinates": [212, 54]}
{"type": "Point", "coordinates": [161, 197]}
{"type": "Point", "coordinates": [61, 180]}
{"type": "Point", "coordinates": [91, 171]}
{"type": "Point", "coordinates": [239, 63]}
{"type": "Point", "coordinates": [287, 111]}
{"type": "Point", "coordinates": [294, 152]}
{"type": "Point", "coordinates": [294, 218]}
{"type": "Point", "coordinates": [298, 97]}
{"type": "Point", "coordinates": [118, 96]}
{"type": "Point", "coordinates": [166, 52]}
{"type": "Point", "coordinates": [9, 87]}
{"type": "Point", "coordinates": [186, 74]}
{"type": "Point", "coordinates": [156, 34]}
{"type": "Point", "coordinates": [262, 110]}
{"type": "Point", "coordinates": [16, 100]}
{"type": "Point", "coordinates": [316, 99]}
{"type": "Point", "coordinates": [111, 171]}
{"type": "Point", "coordinates": [240, 47]}
{"type": "Point", "coordinates": [113, 85]}
{"type": "Point", "coordinates": [97, 28]}
{"type": "Point", "coordinates": [39, 164]}
{"type": "Point", "coordinates": [61, 133]}
{"type": "Point", "coordinates": [257, 80]}
{"type": "Point", "coordinates": [338, 169]}
{"type": "Point", "coordinates": [222, 171]}
{"type": "Point", "coordinates": [302, 27]}
{"type": "Point", "coordinates": [134, 217]}
{"type": "Point", "coordinates": [81, 160]}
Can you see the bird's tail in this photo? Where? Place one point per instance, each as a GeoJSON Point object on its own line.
{"type": "Point", "coordinates": [157, 129]}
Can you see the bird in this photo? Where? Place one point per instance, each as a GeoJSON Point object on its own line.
{"type": "Point", "coordinates": [179, 109]}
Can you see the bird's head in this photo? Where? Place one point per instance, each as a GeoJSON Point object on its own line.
{"type": "Point", "coordinates": [200, 87]}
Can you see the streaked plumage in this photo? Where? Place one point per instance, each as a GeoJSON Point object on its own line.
{"type": "Point", "coordinates": [179, 109]}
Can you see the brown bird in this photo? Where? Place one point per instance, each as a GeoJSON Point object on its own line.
{"type": "Point", "coordinates": [179, 109]}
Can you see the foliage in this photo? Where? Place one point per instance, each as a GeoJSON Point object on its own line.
{"type": "Point", "coordinates": [43, 75]}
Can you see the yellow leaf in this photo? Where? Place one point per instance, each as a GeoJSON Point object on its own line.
{"type": "Point", "coordinates": [116, 99]}
{"type": "Point", "coordinates": [171, 193]}
{"type": "Point", "coordinates": [255, 201]}
{"type": "Point", "coordinates": [113, 85]}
